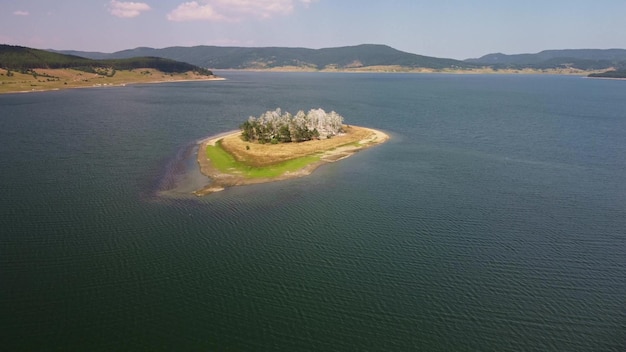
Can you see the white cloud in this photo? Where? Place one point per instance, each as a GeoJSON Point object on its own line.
{"type": "Point", "coordinates": [193, 11]}
{"type": "Point", "coordinates": [233, 10]}
{"type": "Point", "coordinates": [21, 13]}
{"type": "Point", "coordinates": [259, 8]}
{"type": "Point", "coordinates": [127, 9]}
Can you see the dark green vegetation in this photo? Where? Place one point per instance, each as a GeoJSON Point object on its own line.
{"type": "Point", "coordinates": [19, 58]}
{"type": "Point", "coordinates": [621, 73]}
{"type": "Point", "coordinates": [250, 58]}
{"type": "Point", "coordinates": [254, 131]}
{"type": "Point", "coordinates": [583, 59]}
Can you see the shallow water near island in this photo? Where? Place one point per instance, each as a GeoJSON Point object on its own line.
{"type": "Point", "coordinates": [493, 220]}
{"type": "Point", "coordinates": [182, 174]}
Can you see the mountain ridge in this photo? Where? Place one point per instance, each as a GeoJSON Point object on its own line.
{"type": "Point", "coordinates": [219, 57]}
{"type": "Point", "coordinates": [365, 56]}
{"type": "Point", "coordinates": [586, 59]}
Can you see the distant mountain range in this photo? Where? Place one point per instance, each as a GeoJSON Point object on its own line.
{"type": "Point", "coordinates": [367, 55]}
{"type": "Point", "coordinates": [359, 57]}
{"type": "Point", "coordinates": [215, 57]}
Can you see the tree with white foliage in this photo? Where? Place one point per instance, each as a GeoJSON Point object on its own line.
{"type": "Point", "coordinates": [276, 126]}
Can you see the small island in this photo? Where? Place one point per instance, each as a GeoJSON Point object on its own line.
{"type": "Point", "coordinates": [278, 146]}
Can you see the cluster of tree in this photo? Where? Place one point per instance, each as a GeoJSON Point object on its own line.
{"type": "Point", "coordinates": [161, 64]}
{"type": "Point", "coordinates": [22, 58]}
{"type": "Point", "coordinates": [278, 127]}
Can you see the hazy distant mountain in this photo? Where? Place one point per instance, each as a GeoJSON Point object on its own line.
{"type": "Point", "coordinates": [366, 55]}
{"type": "Point", "coordinates": [585, 59]}
{"type": "Point", "coordinates": [269, 57]}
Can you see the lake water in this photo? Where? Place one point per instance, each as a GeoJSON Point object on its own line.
{"type": "Point", "coordinates": [493, 220]}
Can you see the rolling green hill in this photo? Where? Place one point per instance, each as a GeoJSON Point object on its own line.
{"type": "Point", "coordinates": [215, 57]}
{"type": "Point", "coordinates": [583, 59]}
{"type": "Point", "coordinates": [20, 58]}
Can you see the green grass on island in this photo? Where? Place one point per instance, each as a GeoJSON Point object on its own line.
{"type": "Point", "coordinates": [226, 163]}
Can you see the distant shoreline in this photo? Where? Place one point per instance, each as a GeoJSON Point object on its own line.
{"type": "Point", "coordinates": [222, 180]}
{"type": "Point", "coordinates": [400, 69]}
{"type": "Point", "coordinates": [61, 79]}
{"type": "Point", "coordinates": [110, 85]}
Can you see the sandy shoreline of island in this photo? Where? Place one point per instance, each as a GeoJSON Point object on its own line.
{"type": "Point", "coordinates": [221, 180]}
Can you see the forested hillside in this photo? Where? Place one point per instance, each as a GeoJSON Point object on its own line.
{"type": "Point", "coordinates": [583, 59]}
{"type": "Point", "coordinates": [366, 55]}
{"type": "Point", "coordinates": [19, 58]}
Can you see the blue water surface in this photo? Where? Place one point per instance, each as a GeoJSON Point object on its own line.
{"type": "Point", "coordinates": [493, 220]}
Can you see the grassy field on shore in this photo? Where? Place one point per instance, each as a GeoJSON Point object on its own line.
{"type": "Point", "coordinates": [54, 79]}
{"type": "Point", "coordinates": [225, 162]}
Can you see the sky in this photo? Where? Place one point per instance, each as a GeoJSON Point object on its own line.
{"type": "Point", "coordinates": [444, 28]}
